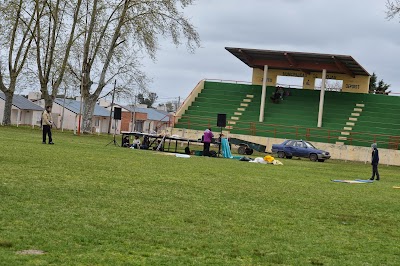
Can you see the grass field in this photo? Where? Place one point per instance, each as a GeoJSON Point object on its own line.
{"type": "Point", "coordinates": [83, 203]}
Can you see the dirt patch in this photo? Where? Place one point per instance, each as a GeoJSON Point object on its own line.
{"type": "Point", "coordinates": [165, 153]}
{"type": "Point", "coordinates": [31, 252]}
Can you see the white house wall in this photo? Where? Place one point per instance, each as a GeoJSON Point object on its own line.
{"type": "Point", "coordinates": [103, 124]}
{"type": "Point", "coordinates": [2, 103]}
{"type": "Point", "coordinates": [69, 117]}
{"type": "Point", "coordinates": [37, 116]}
{"type": "Point", "coordinates": [14, 115]}
{"type": "Point", "coordinates": [29, 117]}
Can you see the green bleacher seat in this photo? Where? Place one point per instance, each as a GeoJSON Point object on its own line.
{"type": "Point", "coordinates": [296, 116]}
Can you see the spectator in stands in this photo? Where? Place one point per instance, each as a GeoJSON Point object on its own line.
{"type": "Point", "coordinates": [278, 94]}
{"type": "Point", "coordinates": [125, 142]}
{"type": "Point", "coordinates": [375, 162]}
{"type": "Point", "coordinates": [207, 139]}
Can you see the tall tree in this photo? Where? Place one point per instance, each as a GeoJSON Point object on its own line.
{"type": "Point", "coordinates": [115, 32]}
{"type": "Point", "coordinates": [170, 106]}
{"type": "Point", "coordinates": [380, 88]}
{"type": "Point", "coordinates": [17, 25]}
{"type": "Point", "coordinates": [148, 100]}
{"type": "Point", "coordinates": [54, 36]}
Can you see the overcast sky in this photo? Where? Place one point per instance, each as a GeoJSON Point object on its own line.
{"type": "Point", "coordinates": [358, 28]}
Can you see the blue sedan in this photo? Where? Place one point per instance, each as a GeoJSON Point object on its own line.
{"type": "Point", "coordinates": [300, 148]}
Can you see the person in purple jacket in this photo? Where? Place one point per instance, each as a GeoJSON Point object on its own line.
{"type": "Point", "coordinates": [207, 139]}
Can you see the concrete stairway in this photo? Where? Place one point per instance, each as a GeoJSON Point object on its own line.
{"type": "Point", "coordinates": [236, 116]}
{"type": "Point", "coordinates": [351, 123]}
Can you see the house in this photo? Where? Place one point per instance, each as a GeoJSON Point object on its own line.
{"type": "Point", "coordinates": [100, 120]}
{"type": "Point", "coordinates": [128, 115]}
{"type": "Point", "coordinates": [23, 111]}
{"type": "Point", "coordinates": [155, 120]}
{"type": "Point", "coordinates": [140, 118]}
{"type": "Point", "coordinates": [71, 109]}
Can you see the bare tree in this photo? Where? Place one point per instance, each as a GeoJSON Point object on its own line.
{"type": "Point", "coordinates": [393, 9]}
{"type": "Point", "coordinates": [331, 85]}
{"type": "Point", "coordinates": [17, 20]}
{"type": "Point", "coordinates": [54, 36]}
{"type": "Point", "coordinates": [115, 30]}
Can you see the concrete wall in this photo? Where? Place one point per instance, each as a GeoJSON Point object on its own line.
{"type": "Point", "coordinates": [188, 102]}
{"type": "Point", "coordinates": [338, 152]}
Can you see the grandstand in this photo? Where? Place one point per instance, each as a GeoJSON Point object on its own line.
{"type": "Point", "coordinates": [355, 119]}
{"type": "Point", "coordinates": [347, 118]}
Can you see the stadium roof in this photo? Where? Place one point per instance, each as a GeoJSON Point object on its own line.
{"type": "Point", "coordinates": [22, 103]}
{"type": "Point", "coordinates": [74, 107]}
{"type": "Point", "coordinates": [305, 62]}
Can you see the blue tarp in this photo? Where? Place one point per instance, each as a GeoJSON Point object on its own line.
{"type": "Point", "coordinates": [226, 150]}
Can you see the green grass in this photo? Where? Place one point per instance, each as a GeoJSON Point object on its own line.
{"type": "Point", "coordinates": [87, 204]}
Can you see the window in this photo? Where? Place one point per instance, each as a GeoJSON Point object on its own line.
{"type": "Point", "coordinates": [308, 144]}
{"type": "Point", "coordinates": [330, 84]}
{"type": "Point", "coordinates": [290, 143]}
{"type": "Point", "coordinates": [289, 82]}
{"type": "Point", "coordinates": [299, 144]}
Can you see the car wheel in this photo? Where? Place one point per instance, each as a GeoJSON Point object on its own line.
{"type": "Point", "coordinates": [242, 150]}
{"type": "Point", "coordinates": [281, 154]}
{"type": "Point", "coordinates": [289, 157]}
{"type": "Point", "coordinates": [321, 160]}
{"type": "Point", "coordinates": [313, 157]}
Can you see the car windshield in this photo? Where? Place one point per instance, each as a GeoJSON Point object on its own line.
{"type": "Point", "coordinates": [309, 145]}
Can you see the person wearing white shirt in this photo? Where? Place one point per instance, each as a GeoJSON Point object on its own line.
{"type": "Point", "coordinates": [136, 142]}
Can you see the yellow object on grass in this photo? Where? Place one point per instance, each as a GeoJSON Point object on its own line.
{"type": "Point", "coordinates": [396, 187]}
{"type": "Point", "coordinates": [269, 158]}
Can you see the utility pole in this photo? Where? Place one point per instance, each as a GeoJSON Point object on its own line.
{"type": "Point", "coordinates": [112, 105]}
{"type": "Point", "coordinates": [63, 109]}
{"type": "Point", "coordinates": [179, 104]}
{"type": "Point", "coordinates": [134, 113]}
{"type": "Point", "coordinates": [80, 106]}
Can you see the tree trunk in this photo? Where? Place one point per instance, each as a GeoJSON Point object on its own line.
{"type": "Point", "coordinates": [88, 111]}
{"type": "Point", "coordinates": [7, 107]}
{"type": "Point", "coordinates": [48, 102]}
{"type": "Point", "coordinates": [48, 99]}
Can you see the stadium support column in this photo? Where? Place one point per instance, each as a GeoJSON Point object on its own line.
{"type": "Point", "coordinates": [264, 92]}
{"type": "Point", "coordinates": [321, 99]}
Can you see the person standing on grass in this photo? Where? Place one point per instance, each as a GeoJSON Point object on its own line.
{"type": "Point", "coordinates": [47, 124]}
{"type": "Point", "coordinates": [375, 162]}
{"type": "Point", "coordinates": [207, 139]}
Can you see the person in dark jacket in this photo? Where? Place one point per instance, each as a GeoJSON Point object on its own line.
{"type": "Point", "coordinates": [277, 96]}
{"type": "Point", "coordinates": [125, 142]}
{"type": "Point", "coordinates": [375, 162]}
